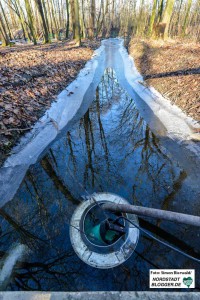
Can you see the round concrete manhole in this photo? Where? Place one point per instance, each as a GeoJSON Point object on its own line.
{"type": "Point", "coordinates": [100, 238]}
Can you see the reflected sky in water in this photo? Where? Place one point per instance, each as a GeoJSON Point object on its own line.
{"type": "Point", "coordinates": [110, 149]}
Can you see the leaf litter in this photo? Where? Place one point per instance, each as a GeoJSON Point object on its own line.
{"type": "Point", "coordinates": [173, 68]}
{"type": "Point", "coordinates": [31, 77]}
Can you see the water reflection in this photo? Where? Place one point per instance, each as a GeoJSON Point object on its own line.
{"type": "Point", "coordinates": [110, 149]}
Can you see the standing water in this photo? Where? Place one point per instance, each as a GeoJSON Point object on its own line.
{"type": "Point", "coordinates": [110, 149]}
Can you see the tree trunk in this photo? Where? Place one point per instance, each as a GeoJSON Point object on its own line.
{"type": "Point", "coordinates": [178, 18]}
{"type": "Point", "coordinates": [140, 19]}
{"type": "Point", "coordinates": [18, 11]}
{"type": "Point", "coordinates": [67, 26]}
{"type": "Point", "coordinates": [50, 19]}
{"type": "Point", "coordinates": [12, 15]}
{"type": "Point", "coordinates": [45, 15]}
{"type": "Point", "coordinates": [77, 24]}
{"type": "Point", "coordinates": [167, 17]}
{"type": "Point", "coordinates": [160, 11]}
{"type": "Point", "coordinates": [30, 21]}
{"type": "Point", "coordinates": [5, 37]}
{"type": "Point", "coordinates": [92, 19]}
{"type": "Point", "coordinates": [113, 13]}
{"type": "Point", "coordinates": [152, 19]}
{"type": "Point", "coordinates": [84, 31]}
{"type": "Point", "coordinates": [189, 4]}
{"type": "Point", "coordinates": [98, 25]}
{"type": "Point", "coordinates": [6, 22]}
{"type": "Point", "coordinates": [76, 21]}
{"type": "Point", "coordinates": [54, 19]}
{"type": "Point", "coordinates": [59, 15]}
{"type": "Point", "coordinates": [104, 29]}
{"type": "Point", "coordinates": [45, 27]}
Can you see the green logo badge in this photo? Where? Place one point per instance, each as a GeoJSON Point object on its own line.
{"type": "Point", "coordinates": [187, 281]}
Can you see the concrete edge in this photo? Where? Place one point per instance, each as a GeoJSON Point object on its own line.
{"type": "Point", "coordinates": [98, 295]}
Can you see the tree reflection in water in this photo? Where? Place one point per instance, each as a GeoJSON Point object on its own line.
{"type": "Point", "coordinates": [110, 149]}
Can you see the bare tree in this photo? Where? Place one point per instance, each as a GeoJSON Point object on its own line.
{"type": "Point", "coordinates": [189, 4]}
{"type": "Point", "coordinates": [152, 19]}
{"type": "Point", "coordinates": [52, 18]}
{"type": "Point", "coordinates": [42, 15]}
{"type": "Point", "coordinates": [3, 29]}
{"type": "Point", "coordinates": [30, 20]}
{"type": "Point", "coordinates": [167, 16]}
{"type": "Point", "coordinates": [76, 21]}
{"type": "Point", "coordinates": [67, 25]}
{"type": "Point", "coordinates": [92, 18]}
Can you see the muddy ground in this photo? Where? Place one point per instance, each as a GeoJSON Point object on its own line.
{"type": "Point", "coordinates": [30, 79]}
{"type": "Point", "coordinates": [172, 68]}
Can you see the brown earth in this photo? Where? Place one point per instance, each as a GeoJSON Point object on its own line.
{"type": "Point", "coordinates": [30, 79]}
{"type": "Point", "coordinates": [173, 68]}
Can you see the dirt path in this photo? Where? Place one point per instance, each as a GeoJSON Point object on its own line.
{"type": "Point", "coordinates": [173, 68]}
{"type": "Point", "coordinates": [30, 79]}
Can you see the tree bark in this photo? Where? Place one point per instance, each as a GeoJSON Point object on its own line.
{"type": "Point", "coordinates": [45, 27]}
{"type": "Point", "coordinates": [54, 19]}
{"type": "Point", "coordinates": [92, 19]}
{"type": "Point", "coordinates": [12, 15]}
{"type": "Point", "coordinates": [6, 22]}
{"type": "Point", "coordinates": [152, 19]}
{"type": "Point", "coordinates": [67, 26]}
{"type": "Point", "coordinates": [45, 14]}
{"type": "Point", "coordinates": [189, 4]}
{"type": "Point", "coordinates": [76, 21]}
{"type": "Point", "coordinates": [160, 11]}
{"type": "Point", "coordinates": [3, 31]}
{"type": "Point", "coordinates": [30, 21]}
{"type": "Point", "coordinates": [167, 16]}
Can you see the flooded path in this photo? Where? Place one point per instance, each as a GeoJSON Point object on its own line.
{"type": "Point", "coordinates": [100, 136]}
{"type": "Point", "coordinates": [111, 148]}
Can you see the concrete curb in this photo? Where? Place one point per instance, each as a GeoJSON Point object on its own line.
{"type": "Point", "coordinates": [98, 295]}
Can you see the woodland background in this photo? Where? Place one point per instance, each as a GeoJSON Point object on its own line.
{"type": "Point", "coordinates": [33, 20]}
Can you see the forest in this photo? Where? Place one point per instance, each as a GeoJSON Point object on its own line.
{"type": "Point", "coordinates": [40, 20]}
{"type": "Point", "coordinates": [97, 96]}
{"type": "Point", "coordinates": [45, 43]}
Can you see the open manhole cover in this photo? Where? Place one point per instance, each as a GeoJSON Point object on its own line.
{"type": "Point", "coordinates": [100, 238]}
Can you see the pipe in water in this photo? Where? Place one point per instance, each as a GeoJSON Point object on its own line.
{"type": "Point", "coordinates": [154, 213]}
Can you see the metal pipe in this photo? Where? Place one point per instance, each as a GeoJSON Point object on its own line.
{"type": "Point", "coordinates": [154, 213]}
